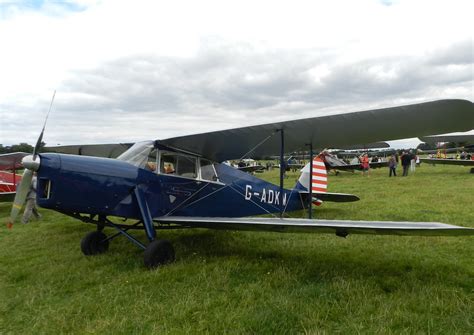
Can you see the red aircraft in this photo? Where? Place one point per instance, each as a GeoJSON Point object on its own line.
{"type": "Point", "coordinates": [9, 163]}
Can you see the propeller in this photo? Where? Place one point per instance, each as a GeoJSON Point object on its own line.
{"type": "Point", "coordinates": [31, 164]}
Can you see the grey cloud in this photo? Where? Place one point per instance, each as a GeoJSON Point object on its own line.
{"type": "Point", "coordinates": [460, 53]}
{"type": "Point", "coordinates": [227, 85]}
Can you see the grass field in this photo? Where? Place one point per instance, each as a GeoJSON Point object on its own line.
{"type": "Point", "coordinates": [266, 283]}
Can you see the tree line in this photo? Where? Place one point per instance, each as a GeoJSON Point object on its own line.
{"type": "Point", "coordinates": [22, 147]}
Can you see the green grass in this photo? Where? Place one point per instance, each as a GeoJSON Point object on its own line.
{"type": "Point", "coordinates": [244, 282]}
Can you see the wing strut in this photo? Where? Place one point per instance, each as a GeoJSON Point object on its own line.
{"type": "Point", "coordinates": [282, 168]}
{"type": "Point", "coordinates": [310, 199]}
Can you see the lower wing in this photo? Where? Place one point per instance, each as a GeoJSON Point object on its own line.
{"type": "Point", "coordinates": [464, 162]}
{"type": "Point", "coordinates": [339, 227]}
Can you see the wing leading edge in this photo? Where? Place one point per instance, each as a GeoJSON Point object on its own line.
{"type": "Point", "coordinates": [339, 227]}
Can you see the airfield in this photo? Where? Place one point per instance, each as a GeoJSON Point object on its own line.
{"type": "Point", "coordinates": [249, 282]}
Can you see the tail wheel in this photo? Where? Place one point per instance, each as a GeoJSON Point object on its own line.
{"type": "Point", "coordinates": [159, 252]}
{"type": "Point", "coordinates": [94, 243]}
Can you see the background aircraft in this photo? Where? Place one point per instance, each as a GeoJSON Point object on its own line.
{"type": "Point", "coordinates": [332, 162]}
{"type": "Point", "coordinates": [194, 191]}
{"type": "Point", "coordinates": [295, 161]}
{"type": "Point", "coordinates": [249, 165]}
{"type": "Point", "coordinates": [467, 140]}
{"type": "Point", "coordinates": [9, 163]}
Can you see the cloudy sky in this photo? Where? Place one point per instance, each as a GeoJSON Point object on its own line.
{"type": "Point", "coordinates": [133, 70]}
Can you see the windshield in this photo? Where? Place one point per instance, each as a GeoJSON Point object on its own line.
{"type": "Point", "coordinates": [138, 154]}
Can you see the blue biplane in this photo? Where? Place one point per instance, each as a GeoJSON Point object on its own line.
{"type": "Point", "coordinates": [177, 182]}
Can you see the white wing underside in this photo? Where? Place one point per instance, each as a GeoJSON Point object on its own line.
{"type": "Point", "coordinates": [340, 227]}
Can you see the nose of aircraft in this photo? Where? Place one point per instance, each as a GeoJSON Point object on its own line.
{"type": "Point", "coordinates": [31, 163]}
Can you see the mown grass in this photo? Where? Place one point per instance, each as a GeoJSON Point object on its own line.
{"type": "Point", "coordinates": [244, 282]}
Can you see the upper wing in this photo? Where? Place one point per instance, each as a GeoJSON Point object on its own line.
{"type": "Point", "coordinates": [11, 161]}
{"type": "Point", "coordinates": [340, 227]}
{"type": "Point", "coordinates": [464, 162]}
{"type": "Point", "coordinates": [97, 150]}
{"type": "Point", "coordinates": [331, 131]}
{"type": "Point", "coordinates": [463, 138]}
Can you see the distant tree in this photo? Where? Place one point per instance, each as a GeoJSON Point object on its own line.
{"type": "Point", "coordinates": [23, 147]}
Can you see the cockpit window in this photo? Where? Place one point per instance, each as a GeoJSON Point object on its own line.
{"type": "Point", "coordinates": [178, 165]}
{"type": "Point", "coordinates": [151, 161]}
{"type": "Point", "coordinates": [144, 155]}
{"type": "Point", "coordinates": [168, 163]}
{"type": "Point", "coordinates": [138, 154]}
{"type": "Point", "coordinates": [207, 170]}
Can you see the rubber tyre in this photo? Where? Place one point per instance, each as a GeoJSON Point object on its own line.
{"type": "Point", "coordinates": [159, 252]}
{"type": "Point", "coordinates": [94, 244]}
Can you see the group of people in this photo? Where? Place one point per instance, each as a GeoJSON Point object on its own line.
{"type": "Point", "coordinates": [409, 163]}
{"type": "Point", "coordinates": [442, 155]}
{"type": "Point", "coordinates": [408, 160]}
{"type": "Point", "coordinates": [465, 155]}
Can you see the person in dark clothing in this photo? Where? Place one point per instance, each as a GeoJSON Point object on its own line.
{"type": "Point", "coordinates": [392, 165]}
{"type": "Point", "coordinates": [406, 161]}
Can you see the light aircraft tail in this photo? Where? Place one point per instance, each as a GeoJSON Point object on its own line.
{"type": "Point", "coordinates": [319, 184]}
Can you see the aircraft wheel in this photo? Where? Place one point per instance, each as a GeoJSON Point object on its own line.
{"type": "Point", "coordinates": [94, 244]}
{"type": "Point", "coordinates": [159, 252]}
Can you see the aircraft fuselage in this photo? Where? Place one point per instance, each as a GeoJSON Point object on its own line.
{"type": "Point", "coordinates": [102, 186]}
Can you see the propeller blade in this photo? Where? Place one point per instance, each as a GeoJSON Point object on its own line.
{"type": "Point", "coordinates": [40, 138]}
{"type": "Point", "coordinates": [30, 164]}
{"type": "Point", "coordinates": [20, 196]}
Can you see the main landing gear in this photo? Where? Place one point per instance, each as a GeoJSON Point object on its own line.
{"type": "Point", "coordinates": [156, 253]}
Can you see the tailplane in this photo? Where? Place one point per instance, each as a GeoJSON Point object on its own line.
{"type": "Point", "coordinates": [319, 184]}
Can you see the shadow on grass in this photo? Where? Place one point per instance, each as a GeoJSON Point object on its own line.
{"type": "Point", "coordinates": [319, 263]}
{"type": "Point", "coordinates": [318, 258]}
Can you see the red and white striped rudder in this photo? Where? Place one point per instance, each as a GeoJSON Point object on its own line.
{"type": "Point", "coordinates": [319, 179]}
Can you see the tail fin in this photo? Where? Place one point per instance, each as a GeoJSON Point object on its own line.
{"type": "Point", "coordinates": [319, 182]}
{"type": "Point", "coordinates": [319, 179]}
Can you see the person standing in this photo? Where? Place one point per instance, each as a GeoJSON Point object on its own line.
{"type": "Point", "coordinates": [412, 162]}
{"type": "Point", "coordinates": [392, 165]}
{"type": "Point", "coordinates": [406, 161]}
{"type": "Point", "coordinates": [30, 205]}
{"type": "Point", "coordinates": [365, 165]}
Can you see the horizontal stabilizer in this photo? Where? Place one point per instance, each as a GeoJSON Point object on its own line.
{"type": "Point", "coordinates": [339, 227]}
{"type": "Point", "coordinates": [336, 197]}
